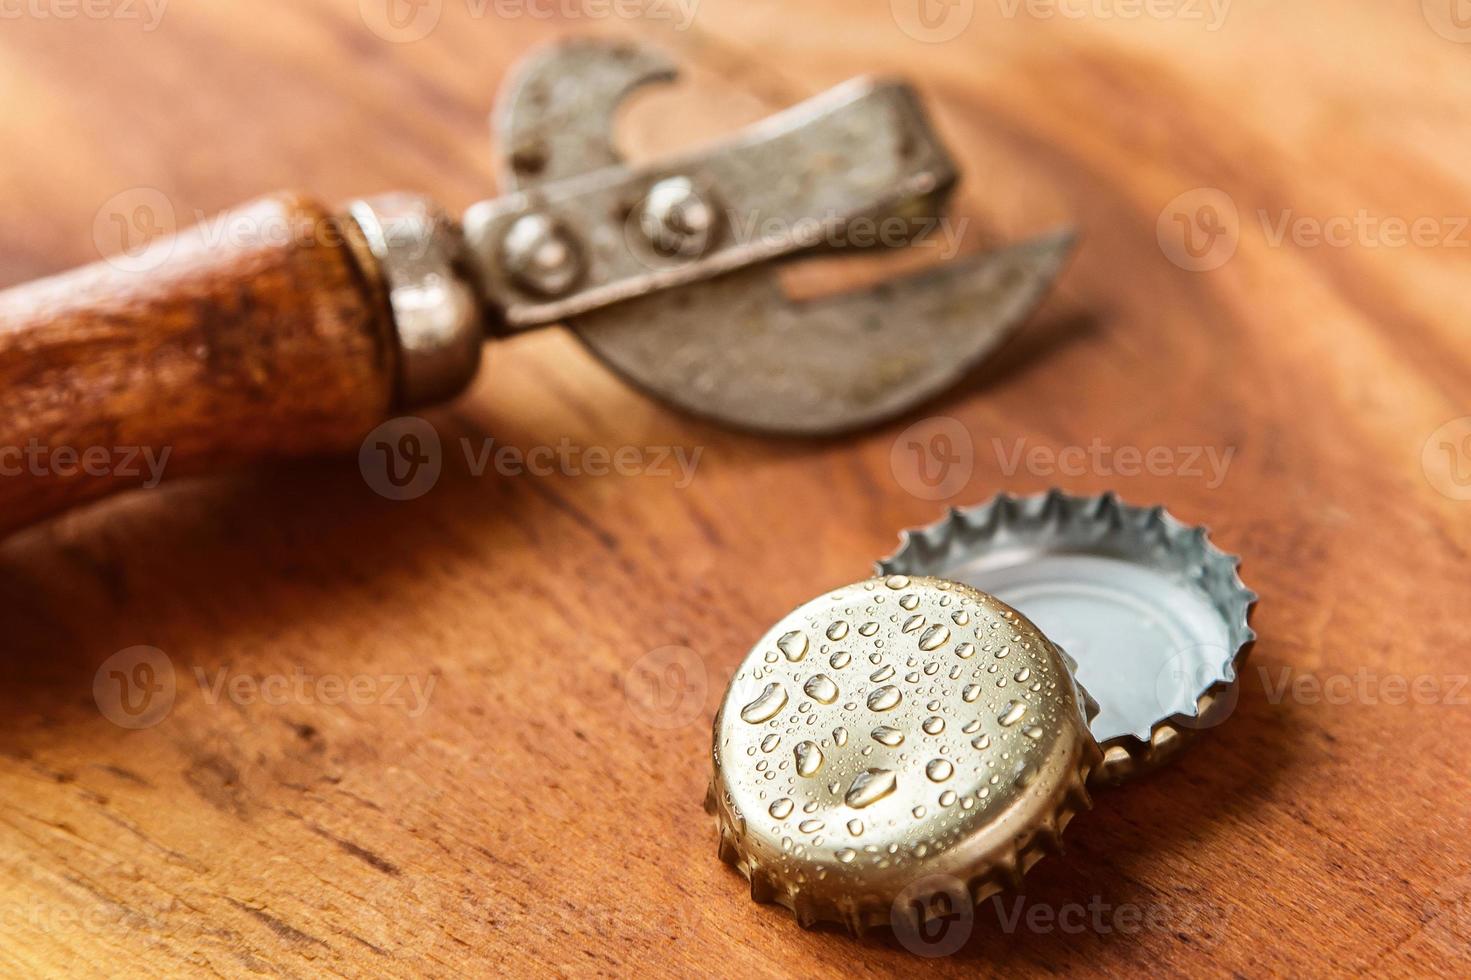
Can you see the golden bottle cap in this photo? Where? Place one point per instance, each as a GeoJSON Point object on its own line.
{"type": "Point", "coordinates": [891, 731]}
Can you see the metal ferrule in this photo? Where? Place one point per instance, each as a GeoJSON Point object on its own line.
{"type": "Point", "coordinates": [436, 313]}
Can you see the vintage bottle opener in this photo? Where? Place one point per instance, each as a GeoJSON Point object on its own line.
{"type": "Point", "coordinates": [319, 326]}
{"type": "Point", "coordinates": [900, 745]}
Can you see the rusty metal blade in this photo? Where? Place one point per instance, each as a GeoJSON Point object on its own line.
{"type": "Point", "coordinates": [735, 348]}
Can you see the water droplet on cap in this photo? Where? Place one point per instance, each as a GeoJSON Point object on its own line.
{"type": "Point", "coordinates": [765, 707]}
{"type": "Point", "coordinates": [934, 637]}
{"type": "Point", "coordinates": [870, 786]}
{"type": "Point", "coordinates": [793, 645]}
{"type": "Point", "coordinates": [809, 758]}
{"type": "Point", "coordinates": [820, 688]}
{"type": "Point", "coordinates": [885, 735]}
{"type": "Point", "coordinates": [884, 698]}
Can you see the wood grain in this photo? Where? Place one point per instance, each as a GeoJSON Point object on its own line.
{"type": "Point", "coordinates": [250, 337]}
{"type": "Point", "coordinates": [531, 820]}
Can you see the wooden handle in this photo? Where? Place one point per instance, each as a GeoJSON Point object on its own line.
{"type": "Point", "coordinates": [274, 340]}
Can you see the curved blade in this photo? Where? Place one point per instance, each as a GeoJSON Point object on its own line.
{"type": "Point", "coordinates": [735, 349]}
{"type": "Point", "coordinates": [555, 118]}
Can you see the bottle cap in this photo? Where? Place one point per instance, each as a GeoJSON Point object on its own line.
{"type": "Point", "coordinates": [890, 732]}
{"type": "Point", "coordinates": [1156, 615]}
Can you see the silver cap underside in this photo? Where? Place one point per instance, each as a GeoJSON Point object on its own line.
{"type": "Point", "coordinates": [1154, 614]}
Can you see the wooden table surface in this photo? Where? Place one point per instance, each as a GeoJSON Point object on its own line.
{"type": "Point", "coordinates": [419, 737]}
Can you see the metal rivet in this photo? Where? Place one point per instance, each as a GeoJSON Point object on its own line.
{"type": "Point", "coordinates": [541, 255]}
{"type": "Point", "coordinates": [677, 219]}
